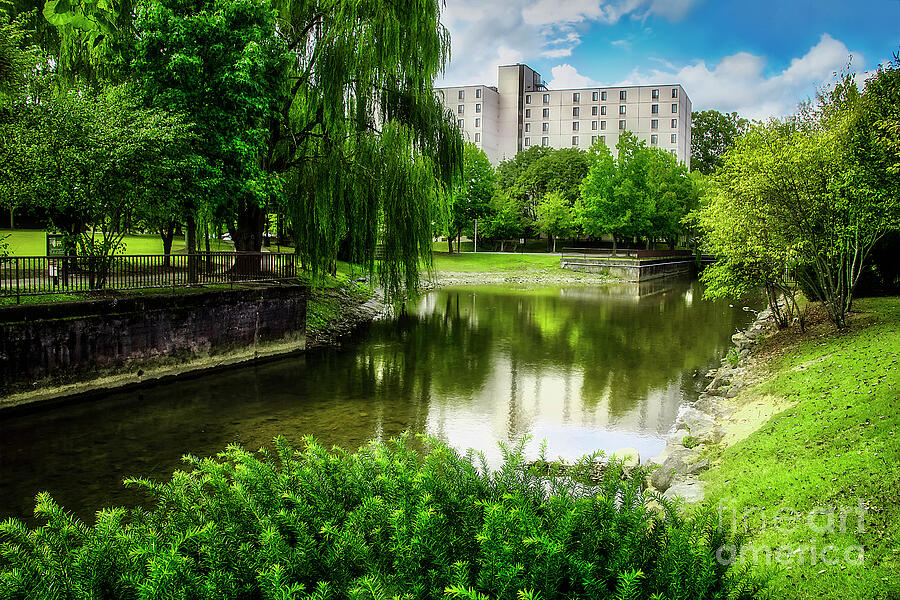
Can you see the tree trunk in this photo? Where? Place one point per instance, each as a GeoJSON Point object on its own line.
{"type": "Point", "coordinates": [208, 252]}
{"type": "Point", "coordinates": [615, 250]}
{"type": "Point", "coordinates": [247, 237]}
{"type": "Point", "coordinates": [502, 243]}
{"type": "Point", "coordinates": [554, 244]}
{"type": "Point", "coordinates": [449, 243]}
{"type": "Point", "coordinates": [167, 233]}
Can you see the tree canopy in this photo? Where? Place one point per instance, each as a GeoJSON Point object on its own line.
{"type": "Point", "coordinates": [712, 133]}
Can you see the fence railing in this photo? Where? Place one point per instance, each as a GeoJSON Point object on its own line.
{"type": "Point", "coordinates": [37, 275]}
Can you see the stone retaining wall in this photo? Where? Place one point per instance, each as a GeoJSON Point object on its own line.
{"type": "Point", "coordinates": [51, 343]}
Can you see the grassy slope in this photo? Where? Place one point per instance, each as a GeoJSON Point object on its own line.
{"type": "Point", "coordinates": [838, 444]}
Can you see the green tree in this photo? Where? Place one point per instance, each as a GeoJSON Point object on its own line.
{"type": "Point", "coordinates": [823, 183]}
{"type": "Point", "coordinates": [324, 107]}
{"type": "Point", "coordinates": [556, 216]}
{"type": "Point", "coordinates": [471, 195]}
{"type": "Point", "coordinates": [504, 221]}
{"type": "Point", "coordinates": [615, 197]}
{"type": "Point", "coordinates": [535, 172]}
{"type": "Point", "coordinates": [712, 133]}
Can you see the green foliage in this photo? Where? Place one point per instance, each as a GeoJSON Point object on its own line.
{"type": "Point", "coordinates": [712, 134]}
{"type": "Point", "coordinates": [807, 197]}
{"type": "Point", "coordinates": [556, 216]}
{"type": "Point", "coordinates": [16, 60]}
{"type": "Point", "coordinates": [642, 192]}
{"type": "Point", "coordinates": [505, 220]}
{"type": "Point", "coordinates": [532, 174]}
{"type": "Point", "coordinates": [384, 522]}
{"type": "Point", "coordinates": [733, 357]}
{"type": "Point", "coordinates": [689, 442]}
{"type": "Point", "coordinates": [471, 195]}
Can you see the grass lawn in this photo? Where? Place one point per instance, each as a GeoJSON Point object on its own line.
{"type": "Point", "coordinates": [33, 242]}
{"type": "Point", "coordinates": [472, 262]}
{"type": "Point", "coordinates": [837, 446]}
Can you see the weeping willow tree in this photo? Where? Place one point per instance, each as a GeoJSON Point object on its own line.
{"type": "Point", "coordinates": [321, 109]}
{"type": "Point", "coordinates": [368, 149]}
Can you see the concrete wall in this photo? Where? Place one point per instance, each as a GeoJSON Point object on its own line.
{"type": "Point", "coordinates": [68, 341]}
{"type": "Point", "coordinates": [634, 270]}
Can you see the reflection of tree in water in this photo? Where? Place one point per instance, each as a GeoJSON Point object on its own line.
{"type": "Point", "coordinates": [625, 346]}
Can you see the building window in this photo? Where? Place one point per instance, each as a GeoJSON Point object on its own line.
{"type": "Point", "coordinates": [478, 122]}
{"type": "Point", "coordinates": [603, 138]}
{"type": "Point", "coordinates": [477, 137]}
{"type": "Point", "coordinates": [459, 123]}
{"type": "Point", "coordinates": [460, 109]}
{"type": "Point", "coordinates": [654, 109]}
{"type": "Point", "coordinates": [593, 140]}
{"type": "Point", "coordinates": [602, 110]}
{"type": "Point", "coordinates": [574, 140]}
{"type": "Point", "coordinates": [594, 125]}
{"type": "Point", "coordinates": [527, 113]}
{"type": "Point", "coordinates": [672, 152]}
{"type": "Point", "coordinates": [575, 111]}
{"type": "Point", "coordinates": [527, 127]}
{"type": "Point", "coordinates": [603, 96]}
{"type": "Point", "coordinates": [462, 94]}
{"type": "Point", "coordinates": [546, 98]}
{"type": "Point", "coordinates": [602, 125]}
{"type": "Point", "coordinates": [545, 141]}
{"type": "Point", "coordinates": [622, 109]}
{"type": "Point", "coordinates": [675, 108]}
{"type": "Point", "coordinates": [674, 92]}
{"type": "Point", "coordinates": [654, 123]}
{"type": "Point", "coordinates": [595, 96]}
{"type": "Point", "coordinates": [593, 111]}
{"type": "Point", "coordinates": [478, 92]}
{"type": "Point", "coordinates": [576, 97]}
{"type": "Point", "coordinates": [622, 124]}
{"type": "Point", "coordinates": [478, 107]}
{"type": "Point", "coordinates": [674, 123]}
{"type": "Point", "coordinates": [623, 95]}
{"type": "Point", "coordinates": [546, 113]}
{"type": "Point", "coordinates": [545, 126]}
{"type": "Point", "coordinates": [674, 138]}
{"type": "Point", "coordinates": [527, 141]}
{"type": "Point", "coordinates": [527, 98]}
{"type": "Point", "coordinates": [654, 139]}
{"type": "Point", "coordinates": [654, 94]}
{"type": "Point", "coordinates": [574, 125]}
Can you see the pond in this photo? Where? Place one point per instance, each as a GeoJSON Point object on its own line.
{"type": "Point", "coordinates": [585, 368]}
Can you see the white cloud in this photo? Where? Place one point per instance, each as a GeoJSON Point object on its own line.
{"type": "Point", "coordinates": [485, 34]}
{"type": "Point", "coordinates": [739, 82]}
{"type": "Point", "coordinates": [624, 44]}
{"type": "Point", "coordinates": [566, 76]}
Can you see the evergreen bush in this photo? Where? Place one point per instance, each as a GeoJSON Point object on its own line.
{"type": "Point", "coordinates": [388, 521]}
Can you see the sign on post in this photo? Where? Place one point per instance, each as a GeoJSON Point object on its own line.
{"type": "Point", "coordinates": [56, 247]}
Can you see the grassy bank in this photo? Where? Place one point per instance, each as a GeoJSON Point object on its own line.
{"type": "Point", "coordinates": [837, 446]}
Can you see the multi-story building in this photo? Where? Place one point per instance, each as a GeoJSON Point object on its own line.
{"type": "Point", "coordinates": [521, 112]}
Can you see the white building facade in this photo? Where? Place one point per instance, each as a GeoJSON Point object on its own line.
{"type": "Point", "coordinates": [521, 112]}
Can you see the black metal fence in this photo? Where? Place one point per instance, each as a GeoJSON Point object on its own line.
{"type": "Point", "coordinates": [37, 275]}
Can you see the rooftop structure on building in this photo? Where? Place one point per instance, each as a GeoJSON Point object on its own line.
{"type": "Point", "coordinates": [522, 112]}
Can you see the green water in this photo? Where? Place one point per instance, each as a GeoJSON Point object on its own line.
{"type": "Point", "coordinates": [586, 368]}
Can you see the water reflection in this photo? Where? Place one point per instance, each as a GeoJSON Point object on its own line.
{"type": "Point", "coordinates": [587, 368]}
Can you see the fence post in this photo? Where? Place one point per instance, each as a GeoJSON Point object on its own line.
{"type": "Point", "coordinates": [18, 283]}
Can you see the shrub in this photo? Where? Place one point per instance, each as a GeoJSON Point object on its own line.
{"type": "Point", "coordinates": [387, 521]}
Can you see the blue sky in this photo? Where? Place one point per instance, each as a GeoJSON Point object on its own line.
{"type": "Point", "coordinates": [760, 58]}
